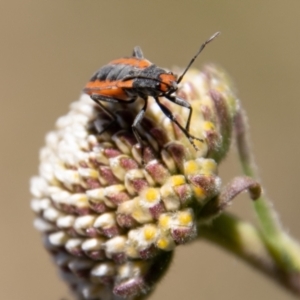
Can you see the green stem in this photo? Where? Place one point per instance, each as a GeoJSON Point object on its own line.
{"type": "Point", "coordinates": [267, 218]}
{"type": "Point", "coordinates": [284, 250]}
{"type": "Point", "coordinates": [245, 241]}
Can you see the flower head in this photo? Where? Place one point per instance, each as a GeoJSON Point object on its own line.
{"type": "Point", "coordinates": [111, 214]}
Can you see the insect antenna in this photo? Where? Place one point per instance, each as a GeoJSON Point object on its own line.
{"type": "Point", "coordinates": [199, 51]}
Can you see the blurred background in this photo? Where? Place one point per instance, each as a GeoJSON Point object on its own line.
{"type": "Point", "coordinates": [49, 49]}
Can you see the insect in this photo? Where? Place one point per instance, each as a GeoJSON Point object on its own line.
{"type": "Point", "coordinates": [124, 80]}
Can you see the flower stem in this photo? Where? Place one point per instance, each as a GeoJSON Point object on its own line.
{"type": "Point", "coordinates": [267, 217]}
{"type": "Point", "coordinates": [243, 240]}
{"type": "Point", "coordinates": [284, 250]}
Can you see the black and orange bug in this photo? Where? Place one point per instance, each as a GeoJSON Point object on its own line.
{"type": "Point", "coordinates": [124, 80]}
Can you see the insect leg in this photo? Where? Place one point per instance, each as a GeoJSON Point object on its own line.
{"type": "Point", "coordinates": [182, 103]}
{"type": "Point", "coordinates": [137, 52]}
{"type": "Point", "coordinates": [99, 98]}
{"type": "Point", "coordinates": [169, 114]}
{"type": "Point", "coordinates": [137, 121]}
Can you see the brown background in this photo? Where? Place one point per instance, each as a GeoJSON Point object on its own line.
{"type": "Point", "coordinates": [49, 49]}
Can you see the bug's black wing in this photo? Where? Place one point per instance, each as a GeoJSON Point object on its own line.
{"type": "Point", "coordinates": [112, 72]}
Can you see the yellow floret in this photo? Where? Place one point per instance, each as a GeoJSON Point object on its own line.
{"type": "Point", "coordinates": [164, 221]}
{"type": "Point", "coordinates": [191, 167]}
{"type": "Point", "coordinates": [185, 218]}
{"type": "Point", "coordinates": [208, 126]}
{"type": "Point", "coordinates": [209, 166]}
{"type": "Point", "coordinates": [163, 243]}
{"type": "Point", "coordinates": [199, 192]}
{"type": "Point", "coordinates": [151, 195]}
{"type": "Point", "coordinates": [132, 252]}
{"type": "Point", "coordinates": [82, 201]}
{"type": "Point", "coordinates": [150, 232]}
{"type": "Point", "coordinates": [141, 215]}
{"type": "Point", "coordinates": [177, 180]}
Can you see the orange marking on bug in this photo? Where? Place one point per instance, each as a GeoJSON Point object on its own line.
{"type": "Point", "coordinates": [139, 63]}
{"type": "Point", "coordinates": [106, 88]}
{"type": "Point", "coordinates": [127, 84]}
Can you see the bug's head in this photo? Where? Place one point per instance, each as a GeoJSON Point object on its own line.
{"type": "Point", "coordinates": [167, 83]}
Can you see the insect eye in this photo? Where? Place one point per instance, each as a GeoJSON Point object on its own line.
{"type": "Point", "coordinates": [157, 84]}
